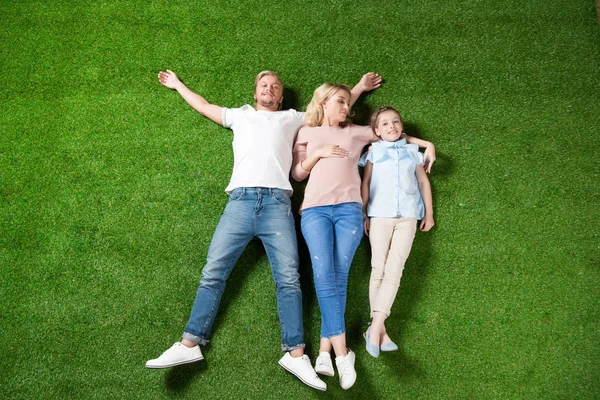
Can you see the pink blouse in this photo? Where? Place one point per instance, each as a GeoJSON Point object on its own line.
{"type": "Point", "coordinates": [332, 180]}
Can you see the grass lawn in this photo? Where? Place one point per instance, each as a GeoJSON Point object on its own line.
{"type": "Point", "coordinates": [111, 188]}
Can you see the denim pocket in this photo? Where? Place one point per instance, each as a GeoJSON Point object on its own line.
{"type": "Point", "coordinates": [356, 205]}
{"type": "Point", "coordinates": [236, 194]}
{"type": "Point", "coordinates": [282, 198]}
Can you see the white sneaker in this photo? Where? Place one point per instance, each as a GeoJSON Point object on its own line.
{"type": "Point", "coordinates": [176, 355]}
{"type": "Point", "coordinates": [302, 368]}
{"type": "Point", "coordinates": [323, 364]}
{"type": "Point", "coordinates": [345, 366]}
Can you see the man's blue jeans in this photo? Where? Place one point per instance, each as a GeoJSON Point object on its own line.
{"type": "Point", "coordinates": [332, 234]}
{"type": "Point", "coordinates": [252, 212]}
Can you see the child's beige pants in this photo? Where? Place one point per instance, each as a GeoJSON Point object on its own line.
{"type": "Point", "coordinates": [391, 240]}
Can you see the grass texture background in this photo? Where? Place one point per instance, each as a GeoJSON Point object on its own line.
{"type": "Point", "coordinates": [111, 188]}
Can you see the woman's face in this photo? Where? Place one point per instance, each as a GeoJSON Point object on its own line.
{"type": "Point", "coordinates": [336, 108]}
{"type": "Point", "coordinates": [389, 126]}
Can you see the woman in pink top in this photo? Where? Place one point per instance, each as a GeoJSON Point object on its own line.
{"type": "Point", "coordinates": [328, 149]}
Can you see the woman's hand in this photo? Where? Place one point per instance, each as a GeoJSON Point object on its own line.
{"type": "Point", "coordinates": [429, 157]}
{"type": "Point", "coordinates": [370, 81]}
{"type": "Point", "coordinates": [168, 79]}
{"type": "Point", "coordinates": [427, 223]}
{"type": "Point", "coordinates": [366, 224]}
{"type": "Point", "coordinates": [332, 150]}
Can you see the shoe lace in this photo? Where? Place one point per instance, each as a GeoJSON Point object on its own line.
{"type": "Point", "coordinates": [343, 367]}
{"type": "Point", "coordinates": [309, 365]}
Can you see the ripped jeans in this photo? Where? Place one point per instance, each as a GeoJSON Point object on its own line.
{"type": "Point", "coordinates": [332, 234]}
{"type": "Point", "coordinates": [266, 214]}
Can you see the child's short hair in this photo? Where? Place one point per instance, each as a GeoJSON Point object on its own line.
{"type": "Point", "coordinates": [377, 113]}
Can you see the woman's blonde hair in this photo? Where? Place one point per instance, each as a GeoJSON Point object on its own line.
{"type": "Point", "coordinates": [314, 110]}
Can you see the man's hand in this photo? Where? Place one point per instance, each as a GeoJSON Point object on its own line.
{"type": "Point", "coordinates": [168, 79]}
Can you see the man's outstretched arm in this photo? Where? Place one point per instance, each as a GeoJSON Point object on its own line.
{"type": "Point", "coordinates": [198, 103]}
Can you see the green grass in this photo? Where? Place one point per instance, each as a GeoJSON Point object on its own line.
{"type": "Point", "coordinates": [111, 187]}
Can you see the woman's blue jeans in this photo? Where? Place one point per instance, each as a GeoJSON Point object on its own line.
{"type": "Point", "coordinates": [332, 234]}
{"type": "Point", "coordinates": [252, 212]}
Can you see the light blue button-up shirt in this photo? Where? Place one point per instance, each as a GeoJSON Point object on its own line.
{"type": "Point", "coordinates": [394, 190]}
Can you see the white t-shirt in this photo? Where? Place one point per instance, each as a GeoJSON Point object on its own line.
{"type": "Point", "coordinates": [262, 146]}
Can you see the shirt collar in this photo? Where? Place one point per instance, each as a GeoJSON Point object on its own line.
{"type": "Point", "coordinates": [397, 143]}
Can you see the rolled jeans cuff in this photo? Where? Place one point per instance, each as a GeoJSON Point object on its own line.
{"type": "Point", "coordinates": [285, 347]}
{"type": "Point", "coordinates": [193, 338]}
{"type": "Point", "coordinates": [333, 334]}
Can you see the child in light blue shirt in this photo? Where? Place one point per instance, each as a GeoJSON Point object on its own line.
{"type": "Point", "coordinates": [395, 193]}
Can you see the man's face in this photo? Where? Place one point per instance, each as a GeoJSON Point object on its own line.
{"type": "Point", "coordinates": [269, 93]}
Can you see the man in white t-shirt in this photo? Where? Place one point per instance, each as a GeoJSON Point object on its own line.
{"type": "Point", "coordinates": [259, 206]}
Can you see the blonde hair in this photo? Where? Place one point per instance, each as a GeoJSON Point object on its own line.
{"type": "Point", "coordinates": [260, 76]}
{"type": "Point", "coordinates": [378, 112]}
{"type": "Point", "coordinates": [314, 110]}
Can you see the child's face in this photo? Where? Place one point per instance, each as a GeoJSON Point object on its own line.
{"type": "Point", "coordinates": [389, 126]}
